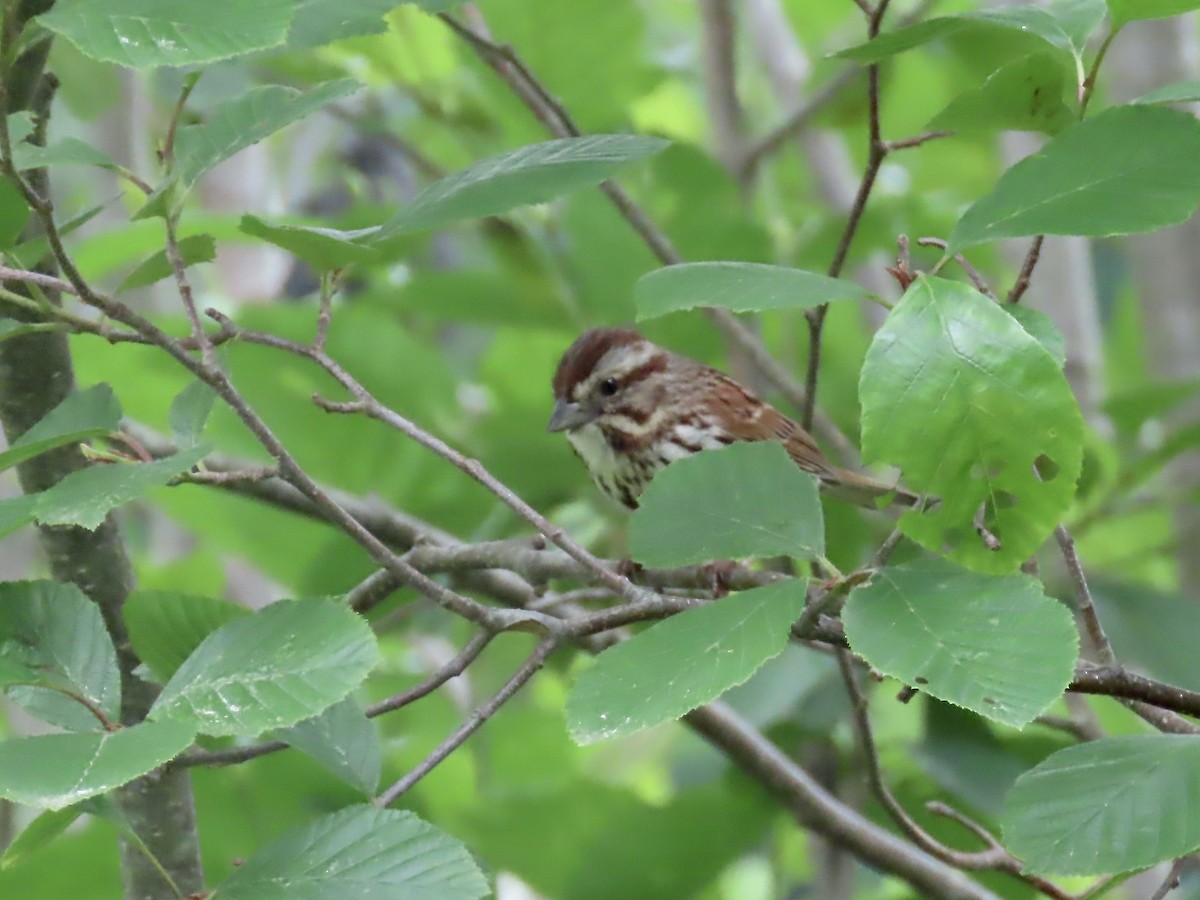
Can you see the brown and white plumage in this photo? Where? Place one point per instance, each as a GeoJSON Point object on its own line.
{"type": "Point", "coordinates": [630, 407]}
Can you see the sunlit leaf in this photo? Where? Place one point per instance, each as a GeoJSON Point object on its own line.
{"type": "Point", "coordinates": [285, 663]}
{"type": "Point", "coordinates": [144, 34]}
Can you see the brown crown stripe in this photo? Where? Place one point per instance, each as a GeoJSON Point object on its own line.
{"type": "Point", "coordinates": [581, 357]}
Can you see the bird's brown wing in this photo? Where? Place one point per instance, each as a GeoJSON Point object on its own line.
{"type": "Point", "coordinates": [750, 419]}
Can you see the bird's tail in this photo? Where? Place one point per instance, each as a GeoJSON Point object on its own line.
{"type": "Point", "coordinates": [863, 490]}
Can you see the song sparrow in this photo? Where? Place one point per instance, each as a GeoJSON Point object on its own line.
{"type": "Point", "coordinates": [629, 408]}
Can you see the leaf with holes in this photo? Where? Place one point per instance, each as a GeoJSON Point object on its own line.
{"type": "Point", "coordinates": [1112, 805]}
{"type": "Point", "coordinates": [361, 852]}
{"type": "Point", "coordinates": [144, 34]}
{"type": "Point", "coordinates": [56, 770]}
{"type": "Point", "coordinates": [994, 644]}
{"type": "Point", "coordinates": [748, 499]}
{"type": "Point", "coordinates": [977, 413]}
{"type": "Point", "coordinates": [681, 663]}
{"type": "Point", "coordinates": [737, 286]}
{"type": "Point", "coordinates": [56, 633]}
{"type": "Point", "coordinates": [82, 415]}
{"type": "Point", "coordinates": [531, 174]}
{"type": "Point", "coordinates": [1143, 152]}
{"type": "Point", "coordinates": [283, 664]}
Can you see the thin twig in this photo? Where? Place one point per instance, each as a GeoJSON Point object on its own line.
{"type": "Point", "coordinates": [976, 279]}
{"type": "Point", "coordinates": [1031, 260]}
{"type": "Point", "coordinates": [472, 724]}
{"type": "Point", "coordinates": [1083, 598]}
{"type": "Point", "coordinates": [1172, 880]}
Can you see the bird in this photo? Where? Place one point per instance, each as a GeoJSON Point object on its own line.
{"type": "Point", "coordinates": [629, 408]}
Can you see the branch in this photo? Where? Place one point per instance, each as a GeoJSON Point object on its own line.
{"type": "Point", "coordinates": [528, 669]}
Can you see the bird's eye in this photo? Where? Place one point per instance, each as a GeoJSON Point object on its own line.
{"type": "Point", "coordinates": [608, 387]}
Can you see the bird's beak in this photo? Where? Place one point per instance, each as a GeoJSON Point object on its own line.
{"type": "Point", "coordinates": [568, 416]}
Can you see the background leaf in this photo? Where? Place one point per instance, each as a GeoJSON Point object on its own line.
{"type": "Point", "coordinates": [321, 248]}
{"type": "Point", "coordinates": [1130, 10]}
{"type": "Point", "coordinates": [532, 174]}
{"type": "Point", "coordinates": [245, 121]}
{"type": "Point", "coordinates": [361, 852]}
{"type": "Point", "coordinates": [748, 499]}
{"type": "Point", "coordinates": [1050, 193]}
{"type": "Point", "coordinates": [285, 663]}
{"type": "Point", "coordinates": [196, 248]}
{"type": "Point", "coordinates": [683, 662]}
{"type": "Point", "coordinates": [738, 286]}
{"type": "Point", "coordinates": [1071, 814]}
{"type": "Point", "coordinates": [56, 770]}
{"type": "Point", "coordinates": [1024, 95]}
{"type": "Point", "coordinates": [995, 406]}
{"type": "Point", "coordinates": [993, 644]}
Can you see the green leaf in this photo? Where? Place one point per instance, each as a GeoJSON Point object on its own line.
{"type": "Point", "coordinates": [82, 415]}
{"type": "Point", "coordinates": [68, 151]}
{"type": "Point", "coordinates": [1042, 328]}
{"type": "Point", "coordinates": [683, 662]}
{"type": "Point", "coordinates": [531, 174]}
{"type": "Point", "coordinates": [972, 408]}
{"type": "Point", "coordinates": [748, 499]}
{"type": "Point", "coordinates": [85, 497]}
{"type": "Point", "coordinates": [189, 413]}
{"type": "Point", "coordinates": [1111, 805]}
{"type": "Point", "coordinates": [361, 852]}
{"type": "Point", "coordinates": [321, 248]}
{"type": "Point", "coordinates": [20, 126]}
{"type": "Point", "coordinates": [53, 629]}
{"type": "Point", "coordinates": [1147, 152]}
{"type": "Point", "coordinates": [739, 286]}
{"type": "Point", "coordinates": [144, 34]}
{"type": "Point", "coordinates": [285, 663]}
{"type": "Point", "coordinates": [196, 248]}
{"type": "Point", "coordinates": [16, 513]}
{"type": "Point", "coordinates": [56, 770]}
{"type": "Point", "coordinates": [1024, 95]}
{"type": "Point", "coordinates": [165, 627]}
{"type": "Point", "coordinates": [320, 22]}
{"type": "Point", "coordinates": [1181, 92]}
{"type": "Point", "coordinates": [38, 833]}
{"type": "Point", "coordinates": [14, 213]}
{"type": "Point", "coordinates": [344, 741]}
{"type": "Point", "coordinates": [1064, 24]}
{"type": "Point", "coordinates": [993, 644]}
{"type": "Point", "coordinates": [245, 121]}
{"type": "Point", "coordinates": [1128, 10]}
{"type": "Point", "coordinates": [10, 328]}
